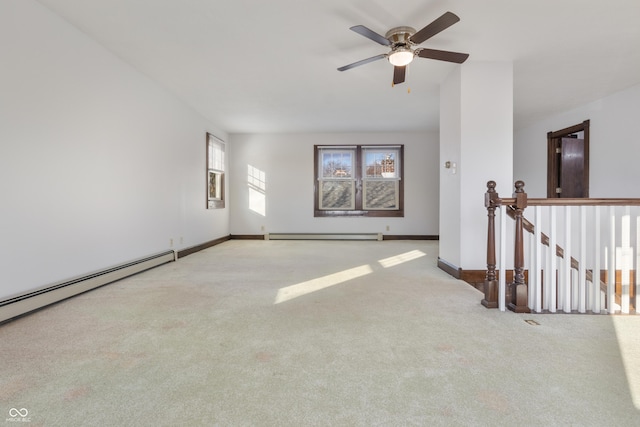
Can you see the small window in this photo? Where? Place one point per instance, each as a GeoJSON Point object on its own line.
{"type": "Point", "coordinates": [215, 172]}
{"type": "Point", "coordinates": [358, 180]}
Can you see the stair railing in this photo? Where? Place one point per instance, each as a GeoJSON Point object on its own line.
{"type": "Point", "coordinates": [583, 265]}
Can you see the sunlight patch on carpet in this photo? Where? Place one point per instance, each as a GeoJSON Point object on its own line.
{"type": "Point", "coordinates": [402, 258]}
{"type": "Point", "coordinates": [627, 328]}
{"type": "Point", "coordinates": [314, 285]}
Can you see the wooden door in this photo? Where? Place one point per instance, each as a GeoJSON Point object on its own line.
{"type": "Point", "coordinates": [568, 162]}
{"type": "Point", "coordinates": [571, 168]}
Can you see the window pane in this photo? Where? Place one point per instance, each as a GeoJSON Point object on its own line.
{"type": "Point", "coordinates": [380, 163]}
{"type": "Point", "coordinates": [337, 164]}
{"type": "Point", "coordinates": [215, 186]}
{"type": "Point", "coordinates": [337, 195]}
{"type": "Point", "coordinates": [381, 194]}
{"type": "Point", "coordinates": [216, 153]}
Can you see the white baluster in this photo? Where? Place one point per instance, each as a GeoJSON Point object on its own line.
{"type": "Point", "coordinates": [582, 267]}
{"type": "Point", "coordinates": [566, 280]}
{"type": "Point", "coordinates": [624, 257]}
{"type": "Point", "coordinates": [537, 272]}
{"type": "Point", "coordinates": [503, 259]}
{"type": "Point", "coordinates": [552, 288]}
{"type": "Point", "coordinates": [611, 271]}
{"type": "Point", "coordinates": [596, 303]}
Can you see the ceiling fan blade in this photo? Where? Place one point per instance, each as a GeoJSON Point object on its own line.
{"type": "Point", "coordinates": [399, 74]}
{"type": "Point", "coordinates": [442, 55]}
{"type": "Point", "coordinates": [370, 34]}
{"type": "Point", "coordinates": [362, 62]}
{"type": "Point", "coordinates": [440, 24]}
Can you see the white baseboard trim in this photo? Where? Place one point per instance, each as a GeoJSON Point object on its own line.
{"type": "Point", "coordinates": [323, 236]}
{"type": "Point", "coordinates": [34, 300]}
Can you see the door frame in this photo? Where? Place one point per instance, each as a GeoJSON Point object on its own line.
{"type": "Point", "coordinates": [552, 162]}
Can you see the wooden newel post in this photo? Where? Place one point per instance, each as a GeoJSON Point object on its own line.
{"type": "Point", "coordinates": [490, 299]}
{"type": "Point", "coordinates": [519, 287]}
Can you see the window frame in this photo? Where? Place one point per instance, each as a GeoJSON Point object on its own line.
{"type": "Point", "coordinates": [359, 182]}
{"type": "Point", "coordinates": [215, 173]}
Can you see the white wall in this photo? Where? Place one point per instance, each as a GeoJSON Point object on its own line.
{"type": "Point", "coordinates": [287, 163]}
{"type": "Point", "coordinates": [450, 151]}
{"type": "Point", "coordinates": [476, 126]}
{"type": "Point", "coordinates": [614, 147]}
{"type": "Point", "coordinates": [98, 165]}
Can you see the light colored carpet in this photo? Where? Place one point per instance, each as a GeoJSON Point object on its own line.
{"type": "Point", "coordinates": [313, 333]}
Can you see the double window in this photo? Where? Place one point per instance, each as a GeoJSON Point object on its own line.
{"type": "Point", "coordinates": [215, 172]}
{"type": "Point", "coordinates": [363, 180]}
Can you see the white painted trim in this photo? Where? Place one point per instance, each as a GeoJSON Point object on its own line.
{"type": "Point", "coordinates": [25, 303]}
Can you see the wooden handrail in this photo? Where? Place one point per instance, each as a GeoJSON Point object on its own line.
{"type": "Point", "coordinates": [568, 202]}
{"type": "Point", "coordinates": [583, 202]}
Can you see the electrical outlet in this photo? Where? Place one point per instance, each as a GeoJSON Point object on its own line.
{"type": "Point", "coordinates": [262, 228]}
{"type": "Point", "coordinates": [388, 228]}
{"type": "Point", "coordinates": [170, 243]}
{"type": "Point", "coordinates": [181, 240]}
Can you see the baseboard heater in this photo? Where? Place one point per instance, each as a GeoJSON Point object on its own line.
{"type": "Point", "coordinates": [22, 304]}
{"type": "Point", "coordinates": [323, 236]}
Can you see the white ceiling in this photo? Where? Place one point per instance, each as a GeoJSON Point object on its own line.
{"type": "Point", "coordinates": [270, 66]}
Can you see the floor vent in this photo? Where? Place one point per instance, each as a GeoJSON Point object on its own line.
{"type": "Point", "coordinates": [323, 236]}
{"type": "Point", "coordinates": [21, 304]}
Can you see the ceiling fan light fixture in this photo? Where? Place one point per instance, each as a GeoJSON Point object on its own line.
{"type": "Point", "coordinates": [401, 57]}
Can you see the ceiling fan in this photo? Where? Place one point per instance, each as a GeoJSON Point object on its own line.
{"type": "Point", "coordinates": [403, 42]}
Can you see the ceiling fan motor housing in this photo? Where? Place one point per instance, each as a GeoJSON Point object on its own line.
{"type": "Point", "coordinates": [399, 36]}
